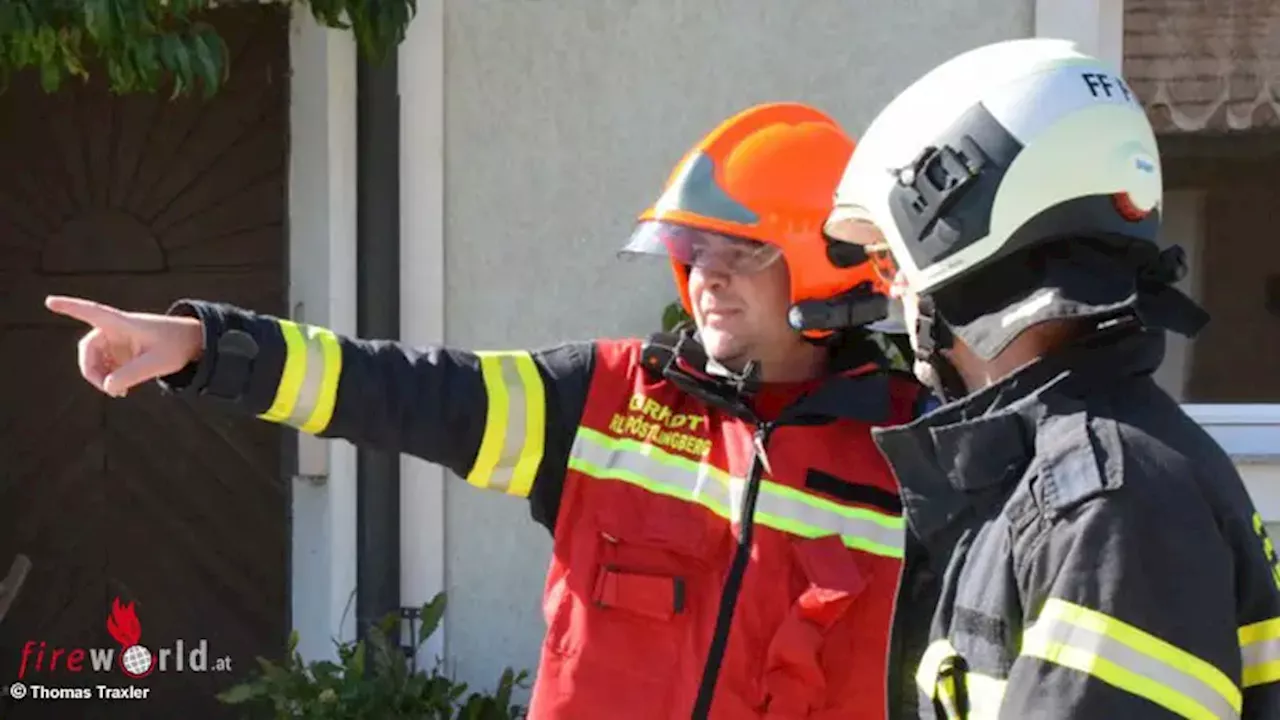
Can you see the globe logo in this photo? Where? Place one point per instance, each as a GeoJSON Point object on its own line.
{"type": "Point", "coordinates": [135, 660]}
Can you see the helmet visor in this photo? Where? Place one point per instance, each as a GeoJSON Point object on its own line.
{"type": "Point", "coordinates": [703, 249]}
{"type": "Point", "coordinates": [853, 224]}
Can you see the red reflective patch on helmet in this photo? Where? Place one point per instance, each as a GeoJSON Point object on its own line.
{"type": "Point", "coordinates": [1128, 210]}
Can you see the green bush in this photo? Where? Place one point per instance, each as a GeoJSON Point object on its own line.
{"type": "Point", "coordinates": [673, 315]}
{"type": "Point", "coordinates": [374, 680]}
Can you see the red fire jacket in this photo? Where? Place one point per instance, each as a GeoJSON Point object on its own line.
{"type": "Point", "coordinates": [648, 510]}
{"type": "Point", "coordinates": [640, 476]}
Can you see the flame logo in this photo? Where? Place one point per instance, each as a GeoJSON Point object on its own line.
{"type": "Point", "coordinates": [135, 660]}
{"type": "Point", "coordinates": [123, 624]}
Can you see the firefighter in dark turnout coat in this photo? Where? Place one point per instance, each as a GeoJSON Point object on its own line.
{"type": "Point", "coordinates": [710, 523]}
{"type": "Point", "coordinates": [1077, 546]}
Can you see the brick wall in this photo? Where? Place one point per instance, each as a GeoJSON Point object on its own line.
{"type": "Point", "coordinates": [1205, 65]}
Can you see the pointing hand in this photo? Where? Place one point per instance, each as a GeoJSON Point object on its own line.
{"type": "Point", "coordinates": [126, 349]}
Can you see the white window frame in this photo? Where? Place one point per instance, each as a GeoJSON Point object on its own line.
{"type": "Point", "coordinates": [1249, 432]}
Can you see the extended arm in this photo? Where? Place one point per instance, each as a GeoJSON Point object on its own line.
{"type": "Point", "coordinates": [502, 420]}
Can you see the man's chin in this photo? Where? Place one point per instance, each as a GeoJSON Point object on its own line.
{"type": "Point", "coordinates": [724, 351]}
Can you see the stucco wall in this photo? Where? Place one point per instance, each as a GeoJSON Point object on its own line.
{"type": "Point", "coordinates": [562, 120]}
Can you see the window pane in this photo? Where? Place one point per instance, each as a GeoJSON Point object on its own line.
{"type": "Point", "coordinates": [1222, 204]}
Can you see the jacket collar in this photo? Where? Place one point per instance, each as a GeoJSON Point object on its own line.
{"type": "Point", "coordinates": [968, 454]}
{"type": "Point", "coordinates": [860, 396]}
{"type": "Point", "coordinates": [857, 387]}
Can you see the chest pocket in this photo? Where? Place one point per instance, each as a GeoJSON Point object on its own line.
{"type": "Point", "coordinates": [954, 692]}
{"type": "Point", "coordinates": [654, 555]}
{"type": "Point", "coordinates": [642, 566]}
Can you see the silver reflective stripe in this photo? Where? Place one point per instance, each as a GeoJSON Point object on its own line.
{"type": "Point", "coordinates": [1089, 641]}
{"type": "Point", "coordinates": [859, 530]}
{"type": "Point", "coordinates": [1261, 653]}
{"type": "Point", "coordinates": [312, 378]}
{"type": "Point", "coordinates": [513, 440]}
{"type": "Point", "coordinates": [780, 507]}
{"type": "Point", "coordinates": [657, 472]}
{"type": "Point", "coordinates": [986, 695]}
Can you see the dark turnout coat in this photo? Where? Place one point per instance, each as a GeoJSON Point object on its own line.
{"type": "Point", "coordinates": [1078, 547]}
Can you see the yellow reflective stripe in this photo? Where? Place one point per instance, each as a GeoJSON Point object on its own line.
{"type": "Point", "coordinates": [295, 366]}
{"type": "Point", "coordinates": [514, 438]}
{"type": "Point", "coordinates": [1260, 652]}
{"type": "Point", "coordinates": [308, 387]}
{"type": "Point", "coordinates": [946, 692]}
{"type": "Point", "coordinates": [1132, 660]}
{"type": "Point", "coordinates": [984, 693]}
{"type": "Point", "coordinates": [495, 421]}
{"type": "Point", "coordinates": [778, 506]}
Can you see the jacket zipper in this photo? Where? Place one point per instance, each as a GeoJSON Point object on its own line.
{"type": "Point", "coordinates": [733, 580]}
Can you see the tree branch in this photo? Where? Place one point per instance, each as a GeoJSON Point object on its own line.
{"type": "Point", "coordinates": [149, 45]}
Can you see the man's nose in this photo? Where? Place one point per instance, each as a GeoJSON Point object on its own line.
{"type": "Point", "coordinates": [710, 278]}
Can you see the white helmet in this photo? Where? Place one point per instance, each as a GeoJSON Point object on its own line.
{"type": "Point", "coordinates": [1022, 145]}
{"type": "Point", "coordinates": [1011, 144]}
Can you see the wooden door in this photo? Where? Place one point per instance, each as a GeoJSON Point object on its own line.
{"type": "Point", "coordinates": [179, 507]}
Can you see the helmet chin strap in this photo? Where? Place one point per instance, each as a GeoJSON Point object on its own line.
{"type": "Point", "coordinates": [932, 335]}
{"type": "Point", "coordinates": [745, 381]}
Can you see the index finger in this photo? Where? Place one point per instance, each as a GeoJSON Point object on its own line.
{"type": "Point", "coordinates": [87, 311]}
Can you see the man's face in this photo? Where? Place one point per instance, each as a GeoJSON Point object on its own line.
{"type": "Point", "coordinates": [743, 317]}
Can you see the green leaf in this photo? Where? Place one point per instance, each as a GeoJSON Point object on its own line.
{"type": "Point", "coordinates": [50, 77]}
{"type": "Point", "coordinates": [179, 88]}
{"type": "Point", "coordinates": [183, 75]}
{"type": "Point", "coordinates": [271, 671]}
{"type": "Point", "coordinates": [356, 663]}
{"type": "Point", "coordinates": [325, 671]}
{"type": "Point", "coordinates": [430, 616]}
{"type": "Point", "coordinates": [144, 61]}
{"type": "Point", "coordinates": [673, 315]}
{"type": "Point", "coordinates": [208, 56]}
{"type": "Point", "coordinates": [242, 693]}
{"type": "Point", "coordinates": [98, 20]}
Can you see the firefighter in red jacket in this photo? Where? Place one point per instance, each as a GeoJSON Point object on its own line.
{"type": "Point", "coordinates": [724, 527]}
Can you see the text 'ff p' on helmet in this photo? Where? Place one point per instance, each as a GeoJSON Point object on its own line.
{"type": "Point", "coordinates": [1001, 148]}
{"type": "Point", "coordinates": [755, 189]}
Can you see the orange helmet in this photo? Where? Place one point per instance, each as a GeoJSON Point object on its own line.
{"type": "Point", "coordinates": [759, 186]}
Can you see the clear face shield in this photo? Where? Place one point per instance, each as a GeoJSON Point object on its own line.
{"type": "Point", "coordinates": [710, 251]}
